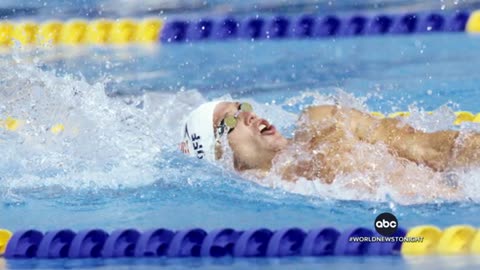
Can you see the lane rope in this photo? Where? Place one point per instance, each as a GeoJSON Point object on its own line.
{"type": "Point", "coordinates": [122, 31]}
{"type": "Point", "coordinates": [258, 242]}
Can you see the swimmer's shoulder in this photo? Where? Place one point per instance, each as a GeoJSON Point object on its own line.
{"type": "Point", "coordinates": [309, 120]}
{"type": "Point", "coordinates": [335, 112]}
{"type": "Point", "coordinates": [320, 112]}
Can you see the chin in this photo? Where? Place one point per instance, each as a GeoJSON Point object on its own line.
{"type": "Point", "coordinates": [275, 140]}
{"type": "Point", "coordinates": [277, 143]}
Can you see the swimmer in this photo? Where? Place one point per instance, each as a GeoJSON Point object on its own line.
{"type": "Point", "coordinates": [329, 133]}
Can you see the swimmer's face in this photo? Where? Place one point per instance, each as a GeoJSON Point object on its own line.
{"type": "Point", "coordinates": [254, 140]}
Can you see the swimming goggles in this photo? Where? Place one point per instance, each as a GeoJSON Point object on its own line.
{"type": "Point", "coordinates": [230, 121]}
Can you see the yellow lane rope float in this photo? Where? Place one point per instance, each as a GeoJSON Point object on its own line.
{"type": "Point", "coordinates": [461, 116]}
{"type": "Point", "coordinates": [10, 123]}
{"type": "Point", "coordinates": [98, 32]}
{"type": "Point", "coordinates": [431, 235]}
{"type": "Point", "coordinates": [475, 245]}
{"type": "Point", "coordinates": [78, 32]}
{"type": "Point", "coordinates": [399, 114]}
{"type": "Point", "coordinates": [5, 235]}
{"type": "Point", "coordinates": [49, 33]}
{"type": "Point", "coordinates": [123, 32]}
{"type": "Point", "coordinates": [73, 32]}
{"type": "Point", "coordinates": [6, 31]}
{"type": "Point", "coordinates": [454, 240]}
{"type": "Point", "coordinates": [25, 33]}
{"type": "Point", "coordinates": [148, 31]}
{"type": "Point", "coordinates": [473, 24]}
{"type": "Point", "coordinates": [57, 129]}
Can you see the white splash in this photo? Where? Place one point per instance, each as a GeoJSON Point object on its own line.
{"type": "Point", "coordinates": [115, 142]}
{"type": "Point", "coordinates": [106, 143]}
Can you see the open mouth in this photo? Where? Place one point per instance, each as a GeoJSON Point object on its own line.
{"type": "Point", "coordinates": [266, 128]}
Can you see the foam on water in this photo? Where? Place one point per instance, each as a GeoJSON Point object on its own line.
{"type": "Point", "coordinates": [131, 141]}
{"type": "Point", "coordinates": [107, 142]}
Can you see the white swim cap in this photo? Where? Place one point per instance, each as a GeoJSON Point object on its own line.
{"type": "Point", "coordinates": [198, 133]}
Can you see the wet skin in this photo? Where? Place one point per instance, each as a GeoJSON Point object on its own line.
{"type": "Point", "coordinates": [256, 143]}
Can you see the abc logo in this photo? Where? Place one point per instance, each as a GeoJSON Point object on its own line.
{"type": "Point", "coordinates": [386, 224]}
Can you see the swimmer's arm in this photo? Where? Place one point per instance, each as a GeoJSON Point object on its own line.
{"type": "Point", "coordinates": [431, 149]}
{"type": "Point", "coordinates": [329, 146]}
{"type": "Point", "coordinates": [361, 124]}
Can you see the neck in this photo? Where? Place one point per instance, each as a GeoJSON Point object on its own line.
{"type": "Point", "coordinates": [267, 161]}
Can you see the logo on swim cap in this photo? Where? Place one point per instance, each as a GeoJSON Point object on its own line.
{"type": "Point", "coordinates": [197, 146]}
{"type": "Point", "coordinates": [198, 133]}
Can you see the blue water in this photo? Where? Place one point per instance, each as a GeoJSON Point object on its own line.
{"type": "Point", "coordinates": [117, 166]}
{"type": "Point", "coordinates": [58, 9]}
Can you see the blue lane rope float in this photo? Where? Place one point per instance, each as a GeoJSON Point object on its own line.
{"type": "Point", "coordinates": [312, 26]}
{"type": "Point", "coordinates": [260, 242]}
{"type": "Point", "coordinates": [178, 30]}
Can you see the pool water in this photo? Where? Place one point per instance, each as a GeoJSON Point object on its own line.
{"type": "Point", "coordinates": [116, 165]}
{"type": "Point", "coordinates": [64, 10]}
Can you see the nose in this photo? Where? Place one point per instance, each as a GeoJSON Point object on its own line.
{"type": "Point", "coordinates": [248, 118]}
